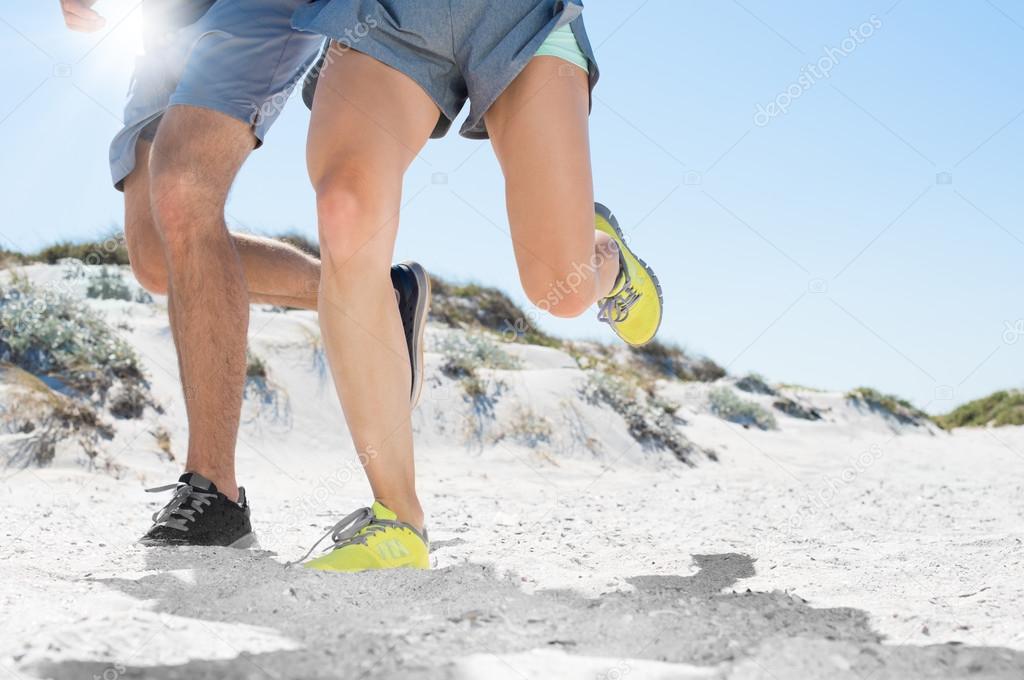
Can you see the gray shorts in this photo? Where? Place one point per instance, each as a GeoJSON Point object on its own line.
{"type": "Point", "coordinates": [454, 49]}
{"type": "Point", "coordinates": [239, 57]}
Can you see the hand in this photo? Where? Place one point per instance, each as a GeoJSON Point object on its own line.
{"type": "Point", "coordinates": [79, 16]}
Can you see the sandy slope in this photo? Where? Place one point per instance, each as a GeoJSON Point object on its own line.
{"type": "Point", "coordinates": [849, 548]}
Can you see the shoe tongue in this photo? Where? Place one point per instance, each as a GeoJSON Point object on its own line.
{"type": "Point", "coordinates": [381, 511]}
{"type": "Point", "coordinates": [197, 481]}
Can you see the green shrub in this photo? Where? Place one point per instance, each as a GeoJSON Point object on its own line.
{"type": "Point", "coordinates": [255, 367]}
{"type": "Point", "coordinates": [793, 408]}
{"type": "Point", "coordinates": [9, 258]}
{"type": "Point", "coordinates": [464, 353]}
{"type": "Point", "coordinates": [266, 400]}
{"type": "Point", "coordinates": [671, 361]}
{"type": "Point", "coordinates": [755, 384]}
{"type": "Point", "coordinates": [50, 333]}
{"type": "Point", "coordinates": [40, 418]}
{"type": "Point", "coordinates": [649, 423]}
{"type": "Point", "coordinates": [109, 249]}
{"type": "Point", "coordinates": [528, 428]}
{"type": "Point", "coordinates": [109, 284]}
{"type": "Point", "coordinates": [475, 306]}
{"type": "Point", "coordinates": [1005, 407]}
{"type": "Point", "coordinates": [728, 406]}
{"type": "Point", "coordinates": [303, 243]}
{"type": "Point", "coordinates": [888, 405]}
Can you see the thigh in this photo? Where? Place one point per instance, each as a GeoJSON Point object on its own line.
{"type": "Point", "coordinates": [368, 124]}
{"type": "Point", "coordinates": [366, 109]}
{"type": "Point", "coordinates": [540, 132]}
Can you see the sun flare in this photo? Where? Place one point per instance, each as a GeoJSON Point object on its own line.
{"type": "Point", "coordinates": [121, 38]}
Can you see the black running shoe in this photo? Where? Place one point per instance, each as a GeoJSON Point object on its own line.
{"type": "Point", "coordinates": [413, 286]}
{"type": "Point", "coordinates": [200, 515]}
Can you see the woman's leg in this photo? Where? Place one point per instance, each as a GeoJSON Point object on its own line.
{"type": "Point", "coordinates": [539, 130]}
{"type": "Point", "coordinates": [369, 122]}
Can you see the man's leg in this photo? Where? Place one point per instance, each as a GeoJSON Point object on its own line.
{"type": "Point", "coordinates": [540, 133]}
{"type": "Point", "coordinates": [368, 123]}
{"type": "Point", "coordinates": [276, 273]}
{"type": "Point", "coordinates": [195, 157]}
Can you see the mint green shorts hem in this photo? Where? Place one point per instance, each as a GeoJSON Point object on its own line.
{"type": "Point", "coordinates": [562, 43]}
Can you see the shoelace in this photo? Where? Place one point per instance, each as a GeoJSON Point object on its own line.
{"type": "Point", "coordinates": [349, 530]}
{"type": "Point", "coordinates": [615, 308]}
{"type": "Point", "coordinates": [175, 515]}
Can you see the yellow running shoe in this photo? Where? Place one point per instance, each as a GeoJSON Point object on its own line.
{"type": "Point", "coordinates": [633, 309]}
{"type": "Point", "coordinates": [372, 538]}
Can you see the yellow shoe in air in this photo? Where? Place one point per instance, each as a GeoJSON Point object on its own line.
{"type": "Point", "coordinates": [633, 309]}
{"type": "Point", "coordinates": [373, 538]}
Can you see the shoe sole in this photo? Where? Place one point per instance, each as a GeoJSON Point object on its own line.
{"type": "Point", "coordinates": [419, 327]}
{"type": "Point", "coordinates": [246, 542]}
{"type": "Point", "coordinates": [243, 543]}
{"type": "Point", "coordinates": [604, 212]}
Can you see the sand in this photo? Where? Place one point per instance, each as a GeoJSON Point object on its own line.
{"type": "Point", "coordinates": [852, 547]}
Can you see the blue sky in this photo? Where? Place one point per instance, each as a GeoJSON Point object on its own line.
{"type": "Point", "coordinates": [869, 234]}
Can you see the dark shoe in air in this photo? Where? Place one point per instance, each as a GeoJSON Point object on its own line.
{"type": "Point", "coordinates": [413, 286]}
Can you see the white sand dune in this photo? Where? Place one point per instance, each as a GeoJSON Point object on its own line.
{"type": "Point", "coordinates": [851, 547]}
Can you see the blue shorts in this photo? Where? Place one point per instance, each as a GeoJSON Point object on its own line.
{"type": "Point", "coordinates": [239, 57]}
{"type": "Point", "coordinates": [456, 50]}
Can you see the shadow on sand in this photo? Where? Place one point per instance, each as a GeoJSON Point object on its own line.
{"type": "Point", "coordinates": [414, 624]}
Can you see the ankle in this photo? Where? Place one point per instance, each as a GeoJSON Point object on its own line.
{"type": "Point", "coordinates": [225, 482]}
{"type": "Point", "coordinates": [408, 511]}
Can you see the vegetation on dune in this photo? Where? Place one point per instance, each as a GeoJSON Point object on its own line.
{"type": "Point", "coordinates": [9, 258]}
{"type": "Point", "coordinates": [888, 405]}
{"type": "Point", "coordinates": [798, 386]}
{"type": "Point", "coordinates": [109, 249]}
{"type": "Point", "coordinates": [266, 401]}
{"type": "Point", "coordinates": [795, 409]}
{"type": "Point", "coordinates": [475, 306]}
{"type": "Point", "coordinates": [255, 366]}
{"type": "Point", "coordinates": [528, 428]}
{"type": "Point", "coordinates": [727, 405]}
{"type": "Point", "coordinates": [651, 422]}
{"type": "Point", "coordinates": [49, 333]}
{"type": "Point", "coordinates": [755, 384]}
{"type": "Point", "coordinates": [303, 243]}
{"type": "Point", "coordinates": [40, 418]}
{"type": "Point", "coordinates": [671, 361]}
{"type": "Point", "coordinates": [1005, 407]}
{"type": "Point", "coordinates": [464, 355]}
{"type": "Point", "coordinates": [643, 367]}
{"type": "Point", "coordinates": [109, 283]}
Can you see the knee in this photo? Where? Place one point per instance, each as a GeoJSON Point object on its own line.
{"type": "Point", "coordinates": [566, 297]}
{"type": "Point", "coordinates": [351, 214]}
{"type": "Point", "coordinates": [176, 203]}
{"type": "Point", "coordinates": [571, 305]}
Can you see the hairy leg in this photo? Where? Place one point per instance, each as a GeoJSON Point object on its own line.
{"type": "Point", "coordinates": [276, 273]}
{"type": "Point", "coordinates": [540, 132]}
{"type": "Point", "coordinates": [195, 157]}
{"type": "Point", "coordinates": [368, 123]}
